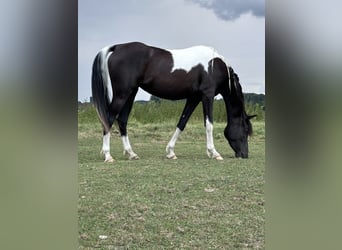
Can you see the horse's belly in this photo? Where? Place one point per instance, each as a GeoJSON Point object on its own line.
{"type": "Point", "coordinates": [179, 85]}
{"type": "Point", "coordinates": [167, 91]}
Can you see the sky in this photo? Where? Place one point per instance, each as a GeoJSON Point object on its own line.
{"type": "Point", "coordinates": [235, 28]}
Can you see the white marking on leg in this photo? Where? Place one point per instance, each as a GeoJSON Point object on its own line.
{"type": "Point", "coordinates": [106, 148]}
{"type": "Point", "coordinates": [188, 58]}
{"type": "Point", "coordinates": [128, 148]}
{"type": "Point", "coordinates": [171, 145]}
{"type": "Point", "coordinates": [209, 131]}
{"type": "Point", "coordinates": [211, 151]}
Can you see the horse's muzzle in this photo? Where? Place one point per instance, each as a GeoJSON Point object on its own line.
{"type": "Point", "coordinates": [241, 155]}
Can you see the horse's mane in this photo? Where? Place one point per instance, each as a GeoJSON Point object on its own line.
{"type": "Point", "coordinates": [236, 95]}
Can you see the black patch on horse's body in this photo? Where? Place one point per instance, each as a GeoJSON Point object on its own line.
{"type": "Point", "coordinates": [134, 65]}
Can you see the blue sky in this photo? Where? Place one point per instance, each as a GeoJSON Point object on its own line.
{"type": "Point", "coordinates": [236, 29]}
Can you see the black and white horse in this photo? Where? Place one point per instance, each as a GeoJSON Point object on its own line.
{"type": "Point", "coordinates": [196, 74]}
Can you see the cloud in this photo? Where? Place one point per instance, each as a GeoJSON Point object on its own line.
{"type": "Point", "coordinates": [232, 9]}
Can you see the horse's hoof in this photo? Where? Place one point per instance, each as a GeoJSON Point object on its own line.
{"type": "Point", "coordinates": [109, 160]}
{"type": "Point", "coordinates": [171, 157]}
{"type": "Point", "coordinates": [218, 157]}
{"type": "Point", "coordinates": [131, 155]}
{"type": "Point", "coordinates": [134, 157]}
{"type": "Point", "coordinates": [214, 155]}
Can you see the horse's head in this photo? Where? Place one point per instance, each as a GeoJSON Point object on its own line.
{"type": "Point", "coordinates": [239, 125]}
{"type": "Point", "coordinates": [237, 132]}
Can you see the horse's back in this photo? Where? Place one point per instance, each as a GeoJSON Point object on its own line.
{"type": "Point", "coordinates": [129, 54]}
{"type": "Point", "coordinates": [187, 58]}
{"type": "Point", "coordinates": [127, 63]}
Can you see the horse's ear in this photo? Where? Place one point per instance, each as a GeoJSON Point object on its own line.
{"type": "Point", "coordinates": [250, 116]}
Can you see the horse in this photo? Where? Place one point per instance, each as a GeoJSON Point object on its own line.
{"type": "Point", "coordinates": [196, 74]}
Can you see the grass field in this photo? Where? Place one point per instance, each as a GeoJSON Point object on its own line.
{"type": "Point", "coordinates": [153, 203]}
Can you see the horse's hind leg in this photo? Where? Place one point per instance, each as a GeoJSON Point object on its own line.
{"type": "Point", "coordinates": [122, 124]}
{"type": "Point", "coordinates": [190, 106]}
{"type": "Point", "coordinates": [106, 143]}
{"type": "Point", "coordinates": [106, 147]}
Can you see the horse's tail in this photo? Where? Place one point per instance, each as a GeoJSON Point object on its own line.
{"type": "Point", "coordinates": [102, 88]}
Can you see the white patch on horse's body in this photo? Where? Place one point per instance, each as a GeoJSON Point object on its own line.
{"type": "Point", "coordinates": [171, 145]}
{"type": "Point", "coordinates": [128, 148]}
{"type": "Point", "coordinates": [188, 58]}
{"type": "Point", "coordinates": [211, 151]}
{"type": "Point", "coordinates": [106, 148]}
{"type": "Point", "coordinates": [105, 73]}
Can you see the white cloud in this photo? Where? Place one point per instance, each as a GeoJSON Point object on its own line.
{"type": "Point", "coordinates": [233, 9]}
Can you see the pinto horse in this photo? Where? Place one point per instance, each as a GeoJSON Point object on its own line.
{"type": "Point", "coordinates": [196, 74]}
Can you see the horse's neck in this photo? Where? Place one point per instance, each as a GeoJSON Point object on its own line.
{"type": "Point", "coordinates": [233, 113]}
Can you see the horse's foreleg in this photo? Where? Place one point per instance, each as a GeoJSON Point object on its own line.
{"type": "Point", "coordinates": [208, 116]}
{"type": "Point", "coordinates": [190, 106]}
{"type": "Point", "coordinates": [211, 151]}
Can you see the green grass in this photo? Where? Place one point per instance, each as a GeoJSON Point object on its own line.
{"type": "Point", "coordinates": [170, 111]}
{"type": "Point", "coordinates": [153, 203]}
